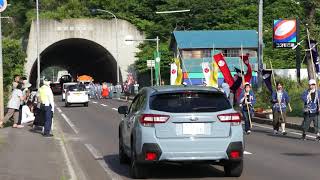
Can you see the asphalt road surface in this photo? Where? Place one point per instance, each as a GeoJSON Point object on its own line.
{"type": "Point", "coordinates": [91, 134]}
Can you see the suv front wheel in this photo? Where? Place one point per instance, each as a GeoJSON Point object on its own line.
{"type": "Point", "coordinates": [233, 169]}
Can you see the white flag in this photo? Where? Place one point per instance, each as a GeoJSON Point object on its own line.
{"type": "Point", "coordinates": [173, 74]}
{"type": "Point", "coordinates": [206, 72]}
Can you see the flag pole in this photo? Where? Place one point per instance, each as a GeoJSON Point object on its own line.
{"type": "Point", "coordinates": [212, 66]}
{"type": "Point", "coordinates": [315, 74]}
{"type": "Point", "coordinates": [243, 81]}
{"type": "Point", "coordinates": [275, 85]}
{"type": "Point", "coordinates": [183, 65]}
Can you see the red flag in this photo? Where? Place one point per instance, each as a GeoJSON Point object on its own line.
{"type": "Point", "coordinates": [224, 68]}
{"type": "Point", "coordinates": [248, 75]}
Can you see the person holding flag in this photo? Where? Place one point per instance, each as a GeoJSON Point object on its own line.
{"type": "Point", "coordinates": [310, 97]}
{"type": "Point", "coordinates": [246, 103]}
{"type": "Point", "coordinates": [280, 100]}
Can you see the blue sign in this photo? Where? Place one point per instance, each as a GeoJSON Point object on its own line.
{"type": "Point", "coordinates": [284, 33]}
{"type": "Point", "coordinates": [3, 5]}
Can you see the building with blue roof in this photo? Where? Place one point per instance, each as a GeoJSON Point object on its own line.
{"type": "Point", "coordinates": [196, 47]}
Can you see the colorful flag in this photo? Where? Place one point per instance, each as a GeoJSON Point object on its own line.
{"type": "Point", "coordinates": [219, 59]}
{"type": "Point", "coordinates": [266, 75]}
{"type": "Point", "coordinates": [315, 55]}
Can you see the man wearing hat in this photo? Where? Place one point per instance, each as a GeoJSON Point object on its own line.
{"type": "Point", "coordinates": [247, 100]}
{"type": "Point", "coordinates": [311, 101]}
{"type": "Point", "coordinates": [47, 106]}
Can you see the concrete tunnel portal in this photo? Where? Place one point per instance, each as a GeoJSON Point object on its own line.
{"type": "Point", "coordinates": [79, 57]}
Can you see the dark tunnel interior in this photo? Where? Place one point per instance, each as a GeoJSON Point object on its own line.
{"type": "Point", "coordinates": [79, 57]}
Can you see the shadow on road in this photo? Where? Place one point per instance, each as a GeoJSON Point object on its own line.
{"type": "Point", "coordinates": [285, 136]}
{"type": "Point", "coordinates": [301, 154]}
{"type": "Point", "coordinates": [168, 170]}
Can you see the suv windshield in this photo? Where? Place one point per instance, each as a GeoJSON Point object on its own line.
{"type": "Point", "coordinates": [78, 87]}
{"type": "Point", "coordinates": [184, 102]}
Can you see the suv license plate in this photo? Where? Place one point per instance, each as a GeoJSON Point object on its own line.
{"type": "Point", "coordinates": [193, 129]}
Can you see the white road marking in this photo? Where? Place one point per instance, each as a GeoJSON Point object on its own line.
{"type": "Point", "coordinates": [246, 152]}
{"type": "Point", "coordinates": [97, 156]}
{"type": "Point", "coordinates": [94, 102]}
{"type": "Point", "coordinates": [73, 127]}
{"type": "Point", "coordinates": [103, 105]}
{"type": "Point", "coordinates": [115, 109]}
{"type": "Point", "coordinates": [59, 110]}
{"type": "Point", "coordinates": [291, 132]}
{"type": "Point", "coordinates": [68, 161]}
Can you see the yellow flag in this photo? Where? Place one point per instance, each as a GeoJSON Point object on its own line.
{"type": "Point", "coordinates": [214, 75]}
{"type": "Point", "coordinates": [179, 71]}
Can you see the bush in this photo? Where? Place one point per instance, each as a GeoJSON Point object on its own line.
{"type": "Point", "coordinates": [294, 90]}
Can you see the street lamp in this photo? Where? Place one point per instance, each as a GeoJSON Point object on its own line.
{"type": "Point", "coordinates": [157, 59]}
{"type": "Point", "coordinates": [170, 12]}
{"type": "Point", "coordinates": [117, 47]}
{"type": "Point", "coordinates": [4, 5]}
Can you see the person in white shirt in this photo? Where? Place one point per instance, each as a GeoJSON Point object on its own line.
{"type": "Point", "coordinates": [47, 106]}
{"type": "Point", "coordinates": [14, 103]}
{"type": "Point", "coordinates": [27, 113]}
{"type": "Point", "coordinates": [136, 88]}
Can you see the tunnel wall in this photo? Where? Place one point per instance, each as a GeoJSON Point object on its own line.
{"type": "Point", "coordinates": [102, 32]}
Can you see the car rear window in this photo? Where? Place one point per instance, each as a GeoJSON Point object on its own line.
{"type": "Point", "coordinates": [76, 88]}
{"type": "Point", "coordinates": [184, 102]}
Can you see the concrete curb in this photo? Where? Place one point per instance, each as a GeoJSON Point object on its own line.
{"type": "Point", "coordinates": [290, 125]}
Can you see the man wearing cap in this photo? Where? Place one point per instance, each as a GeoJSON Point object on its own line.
{"type": "Point", "coordinates": [247, 100]}
{"type": "Point", "coordinates": [47, 106]}
{"type": "Point", "coordinates": [280, 100]}
{"type": "Point", "coordinates": [310, 98]}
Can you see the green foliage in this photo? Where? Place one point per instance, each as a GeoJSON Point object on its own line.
{"type": "Point", "coordinates": [217, 14]}
{"type": "Point", "coordinates": [13, 60]}
{"type": "Point", "coordinates": [13, 63]}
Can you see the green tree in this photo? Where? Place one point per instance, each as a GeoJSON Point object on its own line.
{"type": "Point", "coordinates": [13, 62]}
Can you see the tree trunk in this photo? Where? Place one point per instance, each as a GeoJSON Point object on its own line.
{"type": "Point", "coordinates": [310, 12]}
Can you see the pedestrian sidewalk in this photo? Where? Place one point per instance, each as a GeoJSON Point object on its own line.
{"type": "Point", "coordinates": [26, 155]}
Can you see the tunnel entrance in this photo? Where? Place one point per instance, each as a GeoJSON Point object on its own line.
{"type": "Point", "coordinates": [79, 57]}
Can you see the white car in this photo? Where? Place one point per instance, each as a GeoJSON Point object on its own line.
{"type": "Point", "coordinates": [65, 87]}
{"type": "Point", "coordinates": [77, 94]}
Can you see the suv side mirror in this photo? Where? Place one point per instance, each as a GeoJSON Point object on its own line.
{"type": "Point", "coordinates": [123, 110]}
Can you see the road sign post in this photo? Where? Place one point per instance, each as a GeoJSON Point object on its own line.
{"type": "Point", "coordinates": [3, 6]}
{"type": "Point", "coordinates": [151, 64]}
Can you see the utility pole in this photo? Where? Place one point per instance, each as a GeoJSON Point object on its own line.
{"type": "Point", "coordinates": [3, 7]}
{"type": "Point", "coordinates": [260, 46]}
{"type": "Point", "coordinates": [38, 39]}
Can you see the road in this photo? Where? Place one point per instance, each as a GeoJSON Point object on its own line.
{"type": "Point", "coordinates": [91, 134]}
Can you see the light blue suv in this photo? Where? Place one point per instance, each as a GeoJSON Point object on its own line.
{"type": "Point", "coordinates": [180, 124]}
